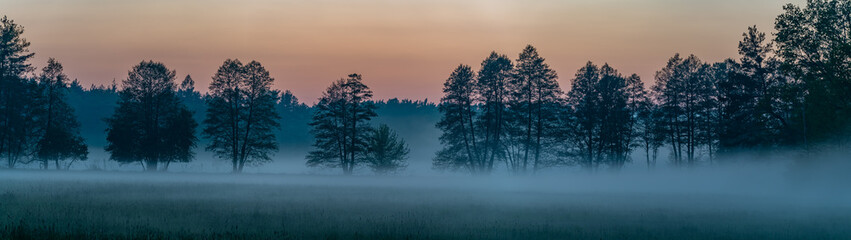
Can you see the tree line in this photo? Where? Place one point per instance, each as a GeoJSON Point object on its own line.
{"type": "Point", "coordinates": [790, 91]}
{"type": "Point", "coordinates": [151, 124]}
{"type": "Point", "coordinates": [793, 91]}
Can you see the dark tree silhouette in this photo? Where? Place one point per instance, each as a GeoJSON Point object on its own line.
{"type": "Point", "coordinates": [748, 119]}
{"type": "Point", "coordinates": [341, 125]}
{"type": "Point", "coordinates": [604, 107]}
{"type": "Point", "coordinates": [60, 138]}
{"type": "Point", "coordinates": [150, 124]}
{"type": "Point", "coordinates": [241, 116]}
{"type": "Point", "coordinates": [386, 152]}
{"type": "Point", "coordinates": [18, 109]}
{"type": "Point", "coordinates": [814, 45]}
{"type": "Point", "coordinates": [492, 89]}
{"type": "Point", "coordinates": [533, 109]}
{"type": "Point", "coordinates": [684, 91]}
{"type": "Point", "coordinates": [648, 129]}
{"type": "Point", "coordinates": [460, 147]}
{"type": "Point", "coordinates": [583, 101]}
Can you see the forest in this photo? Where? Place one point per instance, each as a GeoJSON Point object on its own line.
{"type": "Point", "coordinates": [788, 91]}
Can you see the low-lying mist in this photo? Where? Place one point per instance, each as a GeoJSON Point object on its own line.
{"type": "Point", "coordinates": [758, 199]}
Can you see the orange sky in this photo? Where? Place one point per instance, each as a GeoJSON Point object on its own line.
{"type": "Point", "coordinates": [403, 48]}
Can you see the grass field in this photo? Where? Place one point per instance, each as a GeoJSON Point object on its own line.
{"type": "Point", "coordinates": [115, 205]}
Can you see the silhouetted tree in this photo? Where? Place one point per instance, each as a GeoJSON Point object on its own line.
{"type": "Point", "coordinates": [60, 139]}
{"type": "Point", "coordinates": [747, 119]}
{"type": "Point", "coordinates": [241, 116]}
{"type": "Point", "coordinates": [493, 92]}
{"type": "Point", "coordinates": [533, 109]}
{"type": "Point", "coordinates": [341, 125]}
{"type": "Point", "coordinates": [683, 90]}
{"type": "Point", "coordinates": [636, 101]}
{"type": "Point", "coordinates": [386, 152]}
{"type": "Point", "coordinates": [458, 109]}
{"type": "Point", "coordinates": [150, 124]}
{"type": "Point", "coordinates": [650, 134]}
{"type": "Point", "coordinates": [583, 101]}
{"type": "Point", "coordinates": [815, 47]}
{"type": "Point", "coordinates": [17, 104]}
{"type": "Point", "coordinates": [604, 107]}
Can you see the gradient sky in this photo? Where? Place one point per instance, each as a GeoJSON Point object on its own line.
{"type": "Point", "coordinates": [403, 48]}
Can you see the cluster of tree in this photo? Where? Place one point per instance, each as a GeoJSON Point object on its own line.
{"type": "Point", "coordinates": [36, 122]}
{"type": "Point", "coordinates": [343, 136]}
{"type": "Point", "coordinates": [154, 120]}
{"type": "Point", "coordinates": [505, 113]}
{"type": "Point", "coordinates": [794, 91]}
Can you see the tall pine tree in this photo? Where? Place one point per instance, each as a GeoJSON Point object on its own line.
{"type": "Point", "coordinates": [18, 102]}
{"type": "Point", "coordinates": [533, 109]}
{"type": "Point", "coordinates": [493, 90]}
{"type": "Point", "coordinates": [461, 149]}
{"type": "Point", "coordinates": [341, 125]}
{"type": "Point", "coordinates": [60, 138]}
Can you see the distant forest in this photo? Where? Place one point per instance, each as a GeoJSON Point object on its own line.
{"type": "Point", "coordinates": [790, 90]}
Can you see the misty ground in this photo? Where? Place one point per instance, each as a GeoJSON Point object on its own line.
{"type": "Point", "coordinates": [676, 205]}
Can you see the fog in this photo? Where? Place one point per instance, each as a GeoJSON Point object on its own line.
{"type": "Point", "coordinates": [779, 198]}
{"type": "Point", "coordinates": [781, 179]}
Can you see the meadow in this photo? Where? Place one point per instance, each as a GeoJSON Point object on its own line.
{"type": "Point", "coordinates": [127, 205]}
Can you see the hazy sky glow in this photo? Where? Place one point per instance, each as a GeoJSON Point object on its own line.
{"type": "Point", "coordinates": [403, 48]}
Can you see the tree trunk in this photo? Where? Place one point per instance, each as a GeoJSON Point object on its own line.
{"type": "Point", "coordinates": [151, 165]}
{"type": "Point", "coordinates": [165, 166]}
{"type": "Point", "coordinates": [539, 132]}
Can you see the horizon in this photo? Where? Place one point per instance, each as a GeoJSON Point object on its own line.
{"type": "Point", "coordinates": [399, 48]}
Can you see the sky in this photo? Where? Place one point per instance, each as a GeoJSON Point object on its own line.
{"type": "Point", "coordinates": [403, 48]}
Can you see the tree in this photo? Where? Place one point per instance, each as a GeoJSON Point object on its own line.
{"type": "Point", "coordinates": [533, 108]}
{"type": "Point", "coordinates": [241, 116]}
{"type": "Point", "coordinates": [603, 107]}
{"type": "Point", "coordinates": [340, 125]}
{"type": "Point", "coordinates": [684, 92]}
{"type": "Point", "coordinates": [815, 48]}
{"type": "Point", "coordinates": [386, 152]}
{"type": "Point", "coordinates": [60, 137]}
{"type": "Point", "coordinates": [150, 124]}
{"type": "Point", "coordinates": [492, 89]}
{"type": "Point", "coordinates": [583, 101]}
{"type": "Point", "coordinates": [748, 119]}
{"type": "Point", "coordinates": [460, 147]}
{"type": "Point", "coordinates": [17, 116]}
{"type": "Point", "coordinates": [649, 130]}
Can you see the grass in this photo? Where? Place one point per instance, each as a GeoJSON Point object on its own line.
{"type": "Point", "coordinates": [105, 205]}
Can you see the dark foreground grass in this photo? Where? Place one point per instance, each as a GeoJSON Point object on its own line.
{"type": "Point", "coordinates": [181, 206]}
